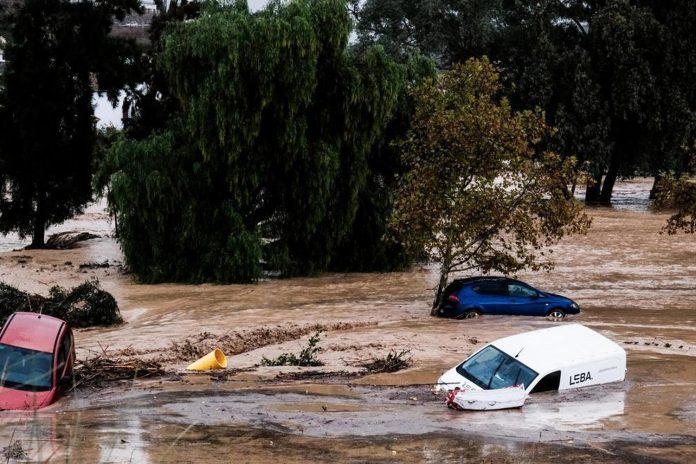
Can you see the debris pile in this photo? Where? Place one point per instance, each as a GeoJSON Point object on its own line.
{"type": "Point", "coordinates": [67, 240]}
{"type": "Point", "coordinates": [14, 451]}
{"type": "Point", "coordinates": [394, 361]}
{"type": "Point", "coordinates": [94, 265]}
{"type": "Point", "coordinates": [95, 372]}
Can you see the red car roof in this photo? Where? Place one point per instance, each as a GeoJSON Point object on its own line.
{"type": "Point", "coordinates": [32, 331]}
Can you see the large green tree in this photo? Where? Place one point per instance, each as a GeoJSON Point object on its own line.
{"type": "Point", "coordinates": [269, 156]}
{"type": "Point", "coordinates": [59, 52]}
{"type": "Point", "coordinates": [449, 31]}
{"type": "Point", "coordinates": [482, 192]}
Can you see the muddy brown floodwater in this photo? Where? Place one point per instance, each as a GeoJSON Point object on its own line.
{"type": "Point", "coordinates": [634, 285]}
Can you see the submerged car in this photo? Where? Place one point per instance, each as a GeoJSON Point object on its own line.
{"type": "Point", "coordinates": [37, 354]}
{"type": "Point", "coordinates": [466, 298]}
{"type": "Point", "coordinates": [558, 358]}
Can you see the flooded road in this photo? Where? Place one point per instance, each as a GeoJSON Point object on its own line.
{"type": "Point", "coordinates": [634, 285]}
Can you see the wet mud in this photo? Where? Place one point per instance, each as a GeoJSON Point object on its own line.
{"type": "Point", "coordinates": [633, 284]}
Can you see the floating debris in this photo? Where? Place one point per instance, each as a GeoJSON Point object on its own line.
{"type": "Point", "coordinates": [101, 369]}
{"type": "Point", "coordinates": [392, 362]}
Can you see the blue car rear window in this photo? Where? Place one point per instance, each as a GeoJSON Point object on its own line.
{"type": "Point", "coordinates": [492, 369]}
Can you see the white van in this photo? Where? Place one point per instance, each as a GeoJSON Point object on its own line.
{"type": "Point", "coordinates": [559, 358]}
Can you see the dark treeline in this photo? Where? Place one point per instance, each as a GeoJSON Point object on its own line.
{"type": "Point", "coordinates": [58, 53]}
{"type": "Point", "coordinates": [615, 77]}
{"type": "Point", "coordinates": [268, 140]}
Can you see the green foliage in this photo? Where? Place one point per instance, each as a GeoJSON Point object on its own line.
{"type": "Point", "coordinates": [272, 148]}
{"type": "Point", "coordinates": [448, 31]}
{"type": "Point", "coordinates": [86, 305]}
{"type": "Point", "coordinates": [4, 22]}
{"type": "Point", "coordinates": [481, 192]}
{"type": "Point", "coordinates": [175, 222]}
{"type": "Point", "coordinates": [58, 53]}
{"type": "Point", "coordinates": [678, 193]}
{"type": "Point", "coordinates": [307, 357]}
{"type": "Point", "coordinates": [616, 77]}
{"type": "Point", "coordinates": [12, 299]}
{"type": "Point", "coordinates": [619, 83]}
{"type": "Point", "coordinates": [371, 245]}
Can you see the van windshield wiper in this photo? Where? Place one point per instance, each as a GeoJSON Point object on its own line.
{"type": "Point", "coordinates": [490, 381]}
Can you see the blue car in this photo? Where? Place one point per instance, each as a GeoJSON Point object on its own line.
{"type": "Point", "coordinates": [466, 298]}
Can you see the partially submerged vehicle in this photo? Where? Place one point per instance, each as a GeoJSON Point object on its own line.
{"type": "Point", "coordinates": [558, 358]}
{"type": "Point", "coordinates": [37, 354]}
{"type": "Point", "coordinates": [474, 296]}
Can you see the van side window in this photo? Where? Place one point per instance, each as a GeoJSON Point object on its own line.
{"type": "Point", "coordinates": [548, 383]}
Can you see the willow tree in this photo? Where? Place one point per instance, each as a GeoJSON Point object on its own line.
{"type": "Point", "coordinates": [269, 151]}
{"type": "Point", "coordinates": [482, 193]}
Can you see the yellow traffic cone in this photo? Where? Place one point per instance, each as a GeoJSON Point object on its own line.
{"type": "Point", "coordinates": [216, 359]}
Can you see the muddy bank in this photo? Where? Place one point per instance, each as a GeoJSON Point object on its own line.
{"type": "Point", "coordinates": [633, 284]}
{"type": "Point", "coordinates": [258, 422]}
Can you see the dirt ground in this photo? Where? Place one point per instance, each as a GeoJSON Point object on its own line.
{"type": "Point", "coordinates": [634, 285]}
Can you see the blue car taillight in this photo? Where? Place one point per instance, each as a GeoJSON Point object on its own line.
{"type": "Point", "coordinates": [453, 298]}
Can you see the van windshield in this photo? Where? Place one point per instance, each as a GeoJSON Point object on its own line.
{"type": "Point", "coordinates": [25, 369]}
{"type": "Point", "coordinates": [491, 369]}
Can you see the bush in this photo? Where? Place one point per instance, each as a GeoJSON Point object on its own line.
{"type": "Point", "coordinates": [307, 357]}
{"type": "Point", "coordinates": [13, 300]}
{"type": "Point", "coordinates": [86, 305]}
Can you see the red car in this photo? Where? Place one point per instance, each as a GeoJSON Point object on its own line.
{"type": "Point", "coordinates": [37, 354]}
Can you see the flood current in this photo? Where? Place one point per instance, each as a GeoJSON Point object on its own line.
{"type": "Point", "coordinates": [634, 285]}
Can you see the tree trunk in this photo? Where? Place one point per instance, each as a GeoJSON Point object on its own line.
{"type": "Point", "coordinates": [38, 236]}
{"type": "Point", "coordinates": [610, 180]}
{"type": "Point", "coordinates": [112, 210]}
{"type": "Point", "coordinates": [37, 239]}
{"type": "Point", "coordinates": [444, 275]}
{"type": "Point", "coordinates": [656, 185]}
{"type": "Point", "coordinates": [593, 189]}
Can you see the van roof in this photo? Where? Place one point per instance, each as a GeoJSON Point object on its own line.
{"type": "Point", "coordinates": [556, 348]}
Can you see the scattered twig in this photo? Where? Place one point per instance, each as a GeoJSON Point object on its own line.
{"type": "Point", "coordinates": [14, 450]}
{"type": "Point", "coordinates": [394, 361]}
